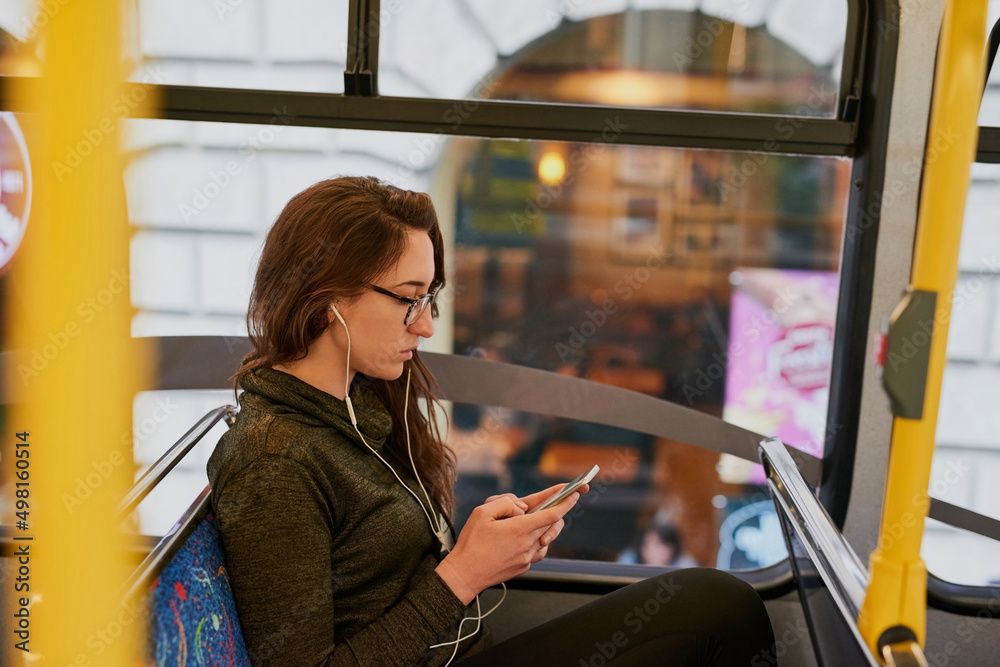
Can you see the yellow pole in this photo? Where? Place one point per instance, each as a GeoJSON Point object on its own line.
{"type": "Point", "coordinates": [69, 315]}
{"type": "Point", "coordinates": [897, 591]}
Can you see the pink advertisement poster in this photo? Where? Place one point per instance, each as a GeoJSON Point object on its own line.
{"type": "Point", "coordinates": [779, 359]}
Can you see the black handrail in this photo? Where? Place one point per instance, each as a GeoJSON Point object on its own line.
{"type": "Point", "coordinates": [991, 51]}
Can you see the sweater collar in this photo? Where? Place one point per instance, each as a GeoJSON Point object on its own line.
{"type": "Point", "coordinates": [298, 396]}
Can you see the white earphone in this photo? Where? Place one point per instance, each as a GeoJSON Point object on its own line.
{"type": "Point", "coordinates": [441, 531]}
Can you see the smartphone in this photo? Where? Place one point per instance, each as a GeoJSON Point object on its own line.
{"type": "Point", "coordinates": [567, 490]}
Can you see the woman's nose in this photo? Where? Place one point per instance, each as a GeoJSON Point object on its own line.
{"type": "Point", "coordinates": [424, 325]}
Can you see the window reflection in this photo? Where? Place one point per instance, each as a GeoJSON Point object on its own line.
{"type": "Point", "coordinates": [623, 265]}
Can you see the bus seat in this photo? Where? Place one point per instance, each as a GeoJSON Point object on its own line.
{"type": "Point", "coordinates": [191, 615]}
{"type": "Point", "coordinates": [181, 587]}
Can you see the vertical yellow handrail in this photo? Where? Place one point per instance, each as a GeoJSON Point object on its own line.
{"type": "Point", "coordinates": [896, 595]}
{"type": "Point", "coordinates": [69, 313]}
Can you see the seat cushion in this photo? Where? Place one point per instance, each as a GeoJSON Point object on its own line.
{"type": "Point", "coordinates": [192, 615]}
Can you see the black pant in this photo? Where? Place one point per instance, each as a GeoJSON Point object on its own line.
{"type": "Point", "coordinates": [697, 617]}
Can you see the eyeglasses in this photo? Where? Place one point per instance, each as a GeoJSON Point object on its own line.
{"type": "Point", "coordinates": [417, 303]}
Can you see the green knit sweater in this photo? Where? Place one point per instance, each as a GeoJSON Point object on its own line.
{"type": "Point", "coordinates": [330, 559]}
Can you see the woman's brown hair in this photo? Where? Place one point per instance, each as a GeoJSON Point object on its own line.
{"type": "Point", "coordinates": [330, 242]}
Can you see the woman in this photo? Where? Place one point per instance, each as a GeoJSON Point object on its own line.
{"type": "Point", "coordinates": [332, 495]}
{"type": "Point", "coordinates": [659, 544]}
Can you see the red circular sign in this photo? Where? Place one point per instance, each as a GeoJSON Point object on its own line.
{"type": "Point", "coordinates": [15, 187]}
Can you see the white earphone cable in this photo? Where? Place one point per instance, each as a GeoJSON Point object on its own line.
{"type": "Point", "coordinates": [354, 421]}
{"type": "Point", "coordinates": [406, 404]}
{"type": "Point", "coordinates": [478, 618]}
{"type": "Point", "coordinates": [439, 530]}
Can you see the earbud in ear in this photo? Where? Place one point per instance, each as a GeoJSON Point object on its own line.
{"type": "Point", "coordinates": [347, 386]}
{"type": "Point", "coordinates": [337, 313]}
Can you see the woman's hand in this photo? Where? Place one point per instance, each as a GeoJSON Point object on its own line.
{"type": "Point", "coordinates": [500, 541]}
{"type": "Point", "coordinates": [540, 497]}
{"type": "Point", "coordinates": [527, 502]}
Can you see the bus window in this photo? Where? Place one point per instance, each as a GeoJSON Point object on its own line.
{"type": "Point", "coordinates": [747, 57]}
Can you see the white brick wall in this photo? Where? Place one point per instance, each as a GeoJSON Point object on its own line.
{"type": "Point", "coordinates": [148, 323]}
{"type": "Point", "coordinates": [290, 173]}
{"type": "Point", "coordinates": [279, 134]}
{"type": "Point", "coordinates": [514, 23]}
{"type": "Point", "coordinates": [160, 419]}
{"type": "Point", "coordinates": [303, 31]}
{"type": "Point", "coordinates": [413, 150]}
{"type": "Point", "coordinates": [163, 270]}
{"type": "Point", "coordinates": [970, 319]}
{"type": "Point", "coordinates": [16, 17]}
{"type": "Point", "coordinates": [579, 11]}
{"type": "Point", "coordinates": [815, 29]}
{"type": "Point", "coordinates": [190, 181]}
{"type": "Point", "coordinates": [305, 77]}
{"type": "Point", "coordinates": [980, 249]}
{"type": "Point", "coordinates": [993, 327]}
{"type": "Point", "coordinates": [188, 189]}
{"type": "Point", "coordinates": [462, 53]}
{"type": "Point", "coordinates": [224, 30]}
{"type": "Point", "coordinates": [746, 12]}
{"type": "Point", "coordinates": [141, 133]}
{"type": "Point", "coordinates": [969, 416]}
{"type": "Point", "coordinates": [227, 266]}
